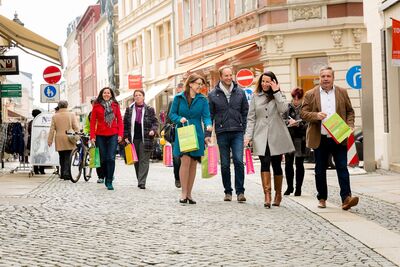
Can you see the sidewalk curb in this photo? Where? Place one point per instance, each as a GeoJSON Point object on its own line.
{"type": "Point", "coordinates": [374, 236]}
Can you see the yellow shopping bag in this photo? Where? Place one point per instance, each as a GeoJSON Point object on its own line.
{"type": "Point", "coordinates": [130, 154]}
{"type": "Point", "coordinates": [187, 137]}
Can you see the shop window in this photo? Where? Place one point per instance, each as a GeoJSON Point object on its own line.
{"type": "Point", "coordinates": [186, 19]}
{"type": "Point", "coordinates": [223, 15]}
{"type": "Point", "coordinates": [308, 71]}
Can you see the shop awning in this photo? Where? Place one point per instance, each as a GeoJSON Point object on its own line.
{"type": "Point", "coordinates": [13, 114]}
{"type": "Point", "coordinates": [225, 56]}
{"type": "Point", "coordinates": [24, 38]}
{"type": "Point", "coordinates": [124, 96]}
{"type": "Point", "coordinates": [155, 91]}
{"type": "Point", "coordinates": [190, 66]}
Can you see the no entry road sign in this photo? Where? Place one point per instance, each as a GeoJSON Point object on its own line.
{"type": "Point", "coordinates": [52, 74]}
{"type": "Point", "coordinates": [245, 77]}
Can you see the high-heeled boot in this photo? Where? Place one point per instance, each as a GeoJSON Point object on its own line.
{"type": "Point", "coordinates": [266, 184]}
{"type": "Point", "coordinates": [278, 190]}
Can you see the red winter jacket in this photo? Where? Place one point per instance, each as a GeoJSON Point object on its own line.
{"type": "Point", "coordinates": [99, 127]}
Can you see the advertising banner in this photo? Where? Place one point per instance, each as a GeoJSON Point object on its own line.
{"type": "Point", "coordinates": [41, 153]}
{"type": "Point", "coordinates": [395, 43]}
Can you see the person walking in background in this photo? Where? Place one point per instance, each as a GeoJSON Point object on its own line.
{"type": "Point", "coordinates": [190, 107]}
{"type": "Point", "coordinates": [106, 131]}
{"type": "Point", "coordinates": [268, 134]}
{"type": "Point", "coordinates": [62, 121]}
{"type": "Point", "coordinates": [176, 159]}
{"type": "Point", "coordinates": [140, 127]}
{"type": "Point", "coordinates": [319, 104]}
{"type": "Point", "coordinates": [36, 169]}
{"type": "Point", "coordinates": [228, 108]}
{"type": "Point", "coordinates": [86, 130]}
{"type": "Point", "coordinates": [297, 129]}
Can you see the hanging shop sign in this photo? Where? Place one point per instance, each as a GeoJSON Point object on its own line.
{"type": "Point", "coordinates": [9, 65]}
{"type": "Point", "coordinates": [135, 82]}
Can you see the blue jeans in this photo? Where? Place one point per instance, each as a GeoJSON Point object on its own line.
{"type": "Point", "coordinates": [339, 153]}
{"type": "Point", "coordinates": [227, 142]}
{"type": "Point", "coordinates": [107, 146]}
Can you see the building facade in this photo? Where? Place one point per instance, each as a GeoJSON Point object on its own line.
{"type": "Point", "coordinates": [146, 50]}
{"type": "Point", "coordinates": [292, 38]}
{"type": "Point", "coordinates": [85, 34]}
{"type": "Point", "coordinates": [20, 108]}
{"type": "Point", "coordinates": [71, 71]}
{"type": "Point", "coordinates": [386, 82]}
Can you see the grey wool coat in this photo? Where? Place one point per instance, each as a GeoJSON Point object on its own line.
{"type": "Point", "coordinates": [265, 124]}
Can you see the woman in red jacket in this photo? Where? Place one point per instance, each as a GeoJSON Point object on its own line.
{"type": "Point", "coordinates": [106, 129]}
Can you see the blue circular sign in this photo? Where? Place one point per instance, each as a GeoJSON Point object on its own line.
{"type": "Point", "coordinates": [50, 91]}
{"type": "Point", "coordinates": [353, 77]}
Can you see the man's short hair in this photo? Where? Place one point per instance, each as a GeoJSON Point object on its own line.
{"type": "Point", "coordinates": [62, 104]}
{"type": "Point", "coordinates": [222, 68]}
{"type": "Point", "coordinates": [327, 68]}
{"type": "Point", "coordinates": [179, 85]}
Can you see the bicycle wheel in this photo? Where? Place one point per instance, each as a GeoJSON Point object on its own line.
{"type": "Point", "coordinates": [87, 172]}
{"type": "Point", "coordinates": [76, 165]}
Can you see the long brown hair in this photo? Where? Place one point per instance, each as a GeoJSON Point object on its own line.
{"type": "Point", "coordinates": [191, 79]}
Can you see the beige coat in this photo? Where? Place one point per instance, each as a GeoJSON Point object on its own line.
{"type": "Point", "coordinates": [61, 122]}
{"type": "Point", "coordinates": [311, 107]}
{"type": "Point", "coordinates": [265, 124]}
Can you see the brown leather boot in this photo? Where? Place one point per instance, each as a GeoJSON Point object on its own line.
{"type": "Point", "coordinates": [266, 184]}
{"type": "Point", "coordinates": [278, 189]}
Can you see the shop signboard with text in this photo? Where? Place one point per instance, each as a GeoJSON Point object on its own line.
{"type": "Point", "coordinates": [135, 82]}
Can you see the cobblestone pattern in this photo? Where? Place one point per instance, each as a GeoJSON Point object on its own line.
{"type": "Point", "coordinates": [381, 212]}
{"type": "Point", "coordinates": [83, 224]}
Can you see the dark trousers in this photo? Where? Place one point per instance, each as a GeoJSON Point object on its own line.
{"type": "Point", "coordinates": [38, 169]}
{"type": "Point", "coordinates": [289, 171]}
{"type": "Point", "coordinates": [339, 152]}
{"type": "Point", "coordinates": [267, 160]}
{"type": "Point", "coordinates": [227, 142]}
{"type": "Point", "coordinates": [142, 166]}
{"type": "Point", "coordinates": [65, 164]}
{"type": "Point", "coordinates": [177, 164]}
{"type": "Point", "coordinates": [107, 147]}
{"type": "Point", "coordinates": [100, 173]}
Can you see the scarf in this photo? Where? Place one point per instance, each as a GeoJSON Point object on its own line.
{"type": "Point", "coordinates": [227, 91]}
{"type": "Point", "coordinates": [108, 112]}
{"type": "Point", "coordinates": [139, 112]}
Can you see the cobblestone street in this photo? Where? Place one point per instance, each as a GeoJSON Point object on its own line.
{"type": "Point", "coordinates": [64, 224]}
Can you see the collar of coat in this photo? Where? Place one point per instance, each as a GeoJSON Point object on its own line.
{"type": "Point", "coordinates": [235, 87]}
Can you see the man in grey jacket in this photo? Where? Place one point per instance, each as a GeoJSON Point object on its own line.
{"type": "Point", "coordinates": [228, 109]}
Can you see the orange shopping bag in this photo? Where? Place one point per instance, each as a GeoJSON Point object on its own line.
{"type": "Point", "coordinates": [167, 155]}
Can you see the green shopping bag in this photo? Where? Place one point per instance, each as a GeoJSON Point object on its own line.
{"type": "Point", "coordinates": [204, 166]}
{"type": "Point", "coordinates": [187, 137]}
{"type": "Point", "coordinates": [94, 154]}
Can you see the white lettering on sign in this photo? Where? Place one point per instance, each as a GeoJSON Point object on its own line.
{"type": "Point", "coordinates": [396, 30]}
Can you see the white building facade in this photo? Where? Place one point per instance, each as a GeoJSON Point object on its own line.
{"type": "Point", "coordinates": [386, 81]}
{"type": "Point", "coordinates": [101, 53]}
{"type": "Point", "coordinates": [146, 48]}
{"type": "Point", "coordinates": [71, 72]}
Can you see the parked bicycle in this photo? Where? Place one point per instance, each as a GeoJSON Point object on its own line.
{"type": "Point", "coordinates": [80, 158]}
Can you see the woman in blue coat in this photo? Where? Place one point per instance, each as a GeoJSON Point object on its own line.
{"type": "Point", "coordinates": [190, 107]}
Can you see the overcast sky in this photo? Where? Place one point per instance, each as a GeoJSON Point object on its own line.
{"type": "Point", "coordinates": [48, 18]}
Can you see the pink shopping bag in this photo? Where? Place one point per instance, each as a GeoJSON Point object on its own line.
{"type": "Point", "coordinates": [212, 160]}
{"type": "Point", "coordinates": [134, 155]}
{"type": "Point", "coordinates": [249, 162]}
{"type": "Point", "coordinates": [167, 155]}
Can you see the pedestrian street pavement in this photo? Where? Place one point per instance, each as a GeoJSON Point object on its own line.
{"type": "Point", "coordinates": [58, 223]}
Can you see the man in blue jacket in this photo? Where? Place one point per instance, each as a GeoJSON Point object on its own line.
{"type": "Point", "coordinates": [228, 109]}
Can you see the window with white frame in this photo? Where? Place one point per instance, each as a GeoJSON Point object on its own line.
{"type": "Point", "coordinates": [186, 19]}
{"type": "Point", "coordinates": [244, 6]}
{"type": "Point", "coordinates": [168, 39]}
{"type": "Point", "coordinates": [149, 46]}
{"type": "Point", "coordinates": [223, 15]}
{"type": "Point", "coordinates": [161, 41]}
{"type": "Point", "coordinates": [210, 14]}
{"type": "Point", "coordinates": [196, 7]}
{"type": "Point", "coordinates": [135, 53]}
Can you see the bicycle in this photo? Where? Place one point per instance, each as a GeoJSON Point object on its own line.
{"type": "Point", "coordinates": [80, 152]}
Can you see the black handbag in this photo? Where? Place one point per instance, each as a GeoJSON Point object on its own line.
{"type": "Point", "coordinates": [169, 129]}
{"type": "Point", "coordinates": [169, 132]}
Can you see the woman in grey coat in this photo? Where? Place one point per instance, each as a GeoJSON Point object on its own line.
{"type": "Point", "coordinates": [268, 134]}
